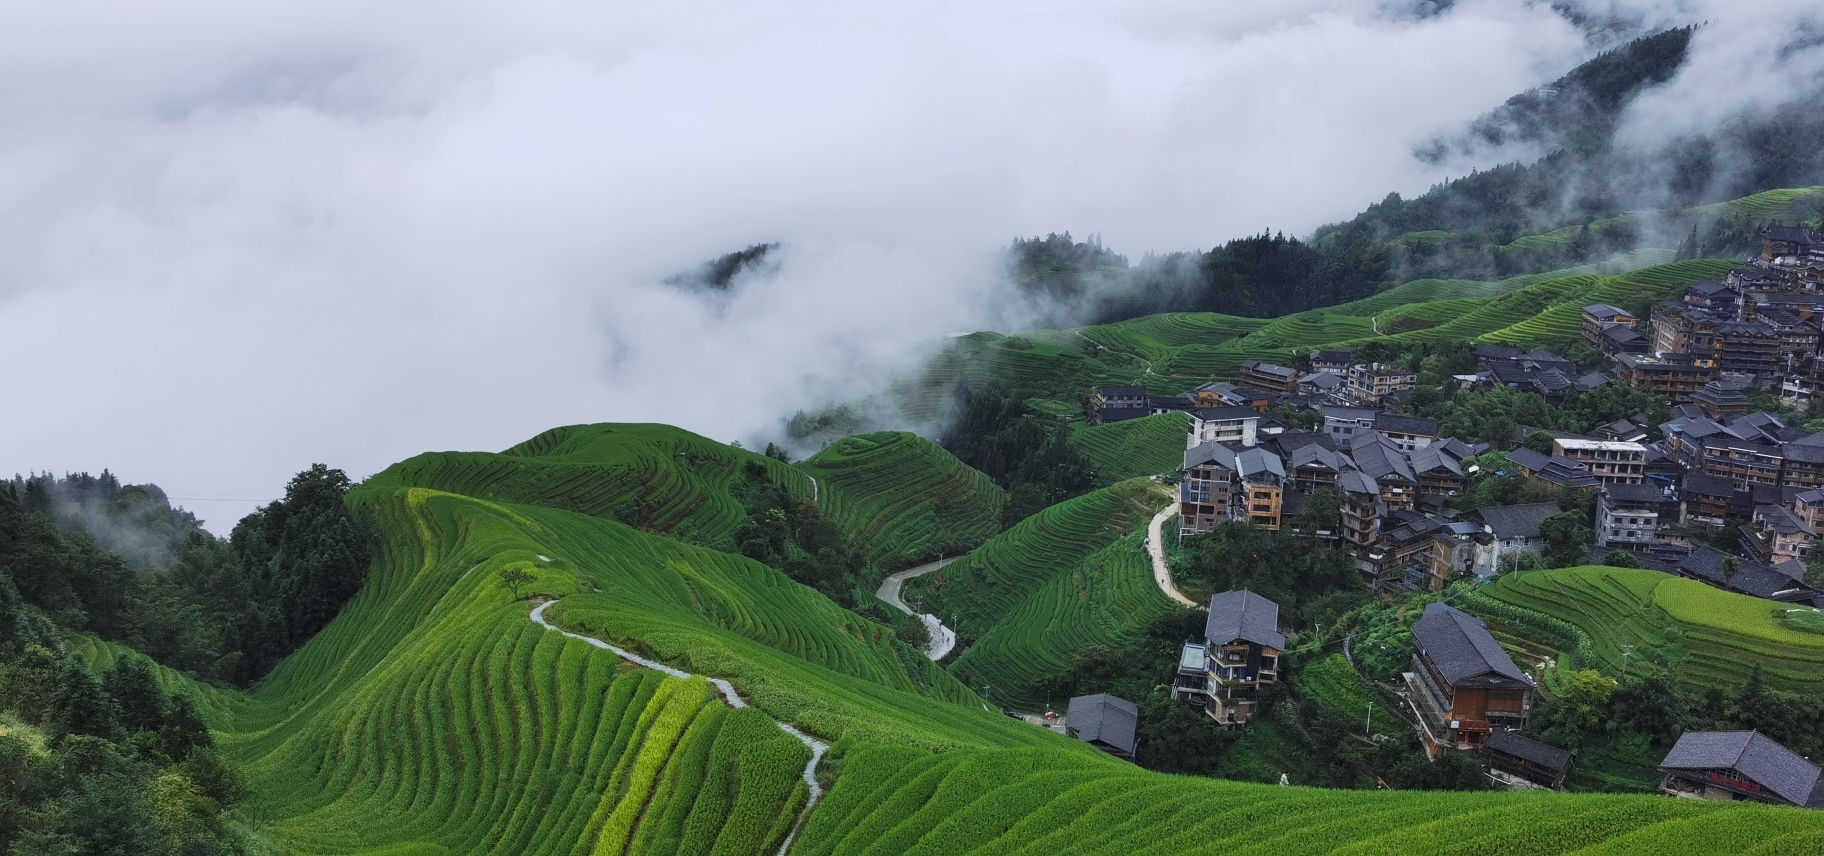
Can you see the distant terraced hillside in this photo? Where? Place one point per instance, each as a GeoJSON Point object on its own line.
{"type": "Point", "coordinates": [661, 478]}
{"type": "Point", "coordinates": [904, 498]}
{"type": "Point", "coordinates": [1707, 636]}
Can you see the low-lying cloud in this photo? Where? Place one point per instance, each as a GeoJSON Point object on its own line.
{"type": "Point", "coordinates": [238, 239]}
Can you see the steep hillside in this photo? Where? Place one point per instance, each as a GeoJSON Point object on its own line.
{"type": "Point", "coordinates": [1058, 583]}
{"type": "Point", "coordinates": [1705, 636]}
{"type": "Point", "coordinates": [432, 716]}
{"type": "Point", "coordinates": [905, 498]}
{"type": "Point", "coordinates": [1030, 802]}
{"type": "Point", "coordinates": [656, 477]}
{"type": "Point", "coordinates": [1135, 448]}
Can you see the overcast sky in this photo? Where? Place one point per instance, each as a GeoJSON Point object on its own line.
{"type": "Point", "coordinates": [236, 239]}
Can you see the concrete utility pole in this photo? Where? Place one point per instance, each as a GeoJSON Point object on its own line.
{"type": "Point", "coordinates": [1368, 728]}
{"type": "Point", "coordinates": [1626, 650]}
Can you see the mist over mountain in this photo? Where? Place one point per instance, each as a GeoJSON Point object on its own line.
{"type": "Point", "coordinates": [368, 232]}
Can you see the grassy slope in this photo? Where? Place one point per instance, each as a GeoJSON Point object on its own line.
{"type": "Point", "coordinates": [1064, 580]}
{"type": "Point", "coordinates": [1135, 448]}
{"type": "Point", "coordinates": [1032, 802]}
{"type": "Point", "coordinates": [432, 717]}
{"type": "Point", "coordinates": [905, 498]}
{"type": "Point", "coordinates": [595, 469]}
{"type": "Point", "coordinates": [1712, 636]}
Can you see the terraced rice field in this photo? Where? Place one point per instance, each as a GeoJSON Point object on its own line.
{"type": "Point", "coordinates": [1152, 336]}
{"type": "Point", "coordinates": [1310, 329]}
{"type": "Point", "coordinates": [1027, 802]}
{"type": "Point", "coordinates": [1633, 291]}
{"type": "Point", "coordinates": [1434, 311]}
{"type": "Point", "coordinates": [432, 717]}
{"type": "Point", "coordinates": [1769, 205]}
{"type": "Point", "coordinates": [1135, 448]}
{"type": "Point", "coordinates": [904, 498]}
{"type": "Point", "coordinates": [1063, 580]}
{"type": "Point", "coordinates": [682, 477]}
{"type": "Point", "coordinates": [1333, 683]}
{"type": "Point", "coordinates": [1711, 636]}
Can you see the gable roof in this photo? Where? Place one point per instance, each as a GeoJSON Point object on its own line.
{"type": "Point", "coordinates": [1750, 753]}
{"type": "Point", "coordinates": [1605, 311]}
{"type": "Point", "coordinates": [1634, 492]}
{"type": "Point", "coordinates": [1517, 521]}
{"type": "Point", "coordinates": [1460, 645]}
{"type": "Point", "coordinates": [1405, 424]}
{"type": "Point", "coordinates": [1103, 718]}
{"type": "Point", "coordinates": [1545, 755]}
{"type": "Point", "coordinates": [1243, 615]}
{"type": "Point", "coordinates": [1209, 451]}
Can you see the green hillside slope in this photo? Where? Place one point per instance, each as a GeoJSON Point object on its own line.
{"type": "Point", "coordinates": [1135, 448]}
{"type": "Point", "coordinates": [905, 498]}
{"type": "Point", "coordinates": [657, 477]}
{"type": "Point", "coordinates": [1057, 583]}
{"type": "Point", "coordinates": [1030, 802]}
{"type": "Point", "coordinates": [1709, 637]}
{"type": "Point", "coordinates": [432, 716]}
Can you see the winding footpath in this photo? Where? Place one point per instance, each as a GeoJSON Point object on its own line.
{"type": "Point", "coordinates": [734, 699]}
{"type": "Point", "coordinates": [943, 639]}
{"type": "Point", "coordinates": [1155, 545]}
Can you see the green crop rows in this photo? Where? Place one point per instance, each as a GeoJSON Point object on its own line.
{"type": "Point", "coordinates": [1059, 582]}
{"type": "Point", "coordinates": [904, 498]}
{"type": "Point", "coordinates": [1710, 637]}
{"type": "Point", "coordinates": [1023, 802]}
{"type": "Point", "coordinates": [1135, 448]}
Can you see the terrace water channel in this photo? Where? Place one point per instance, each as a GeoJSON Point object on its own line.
{"type": "Point", "coordinates": [734, 699]}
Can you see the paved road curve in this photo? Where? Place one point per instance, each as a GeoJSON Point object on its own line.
{"type": "Point", "coordinates": [942, 638]}
{"type": "Point", "coordinates": [729, 695]}
{"type": "Point", "coordinates": [1155, 544]}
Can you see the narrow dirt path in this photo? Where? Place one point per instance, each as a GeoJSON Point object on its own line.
{"type": "Point", "coordinates": [1155, 545]}
{"type": "Point", "coordinates": [729, 695]}
{"type": "Point", "coordinates": [943, 639]}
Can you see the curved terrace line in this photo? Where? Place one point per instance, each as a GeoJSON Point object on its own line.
{"type": "Point", "coordinates": [734, 699]}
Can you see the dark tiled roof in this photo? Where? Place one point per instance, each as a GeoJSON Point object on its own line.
{"type": "Point", "coordinates": [1750, 753]}
{"type": "Point", "coordinates": [1209, 451]}
{"type": "Point", "coordinates": [1802, 452]}
{"type": "Point", "coordinates": [1209, 414]}
{"type": "Point", "coordinates": [1517, 521]}
{"type": "Point", "coordinates": [1547, 756]}
{"type": "Point", "coordinates": [1634, 492]}
{"type": "Point", "coordinates": [1103, 718]}
{"type": "Point", "coordinates": [1380, 459]}
{"type": "Point", "coordinates": [1702, 485]}
{"type": "Point", "coordinates": [1605, 311]}
{"type": "Point", "coordinates": [1112, 391]}
{"type": "Point", "coordinates": [1243, 615]}
{"type": "Point", "coordinates": [1330, 356]}
{"type": "Point", "coordinates": [1258, 460]}
{"type": "Point", "coordinates": [1498, 352]}
{"type": "Point", "coordinates": [1787, 234]}
{"type": "Point", "coordinates": [1460, 645]}
{"type": "Point", "coordinates": [1405, 424]}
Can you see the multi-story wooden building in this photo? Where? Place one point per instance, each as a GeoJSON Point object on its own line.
{"type": "Point", "coordinates": [1462, 684]}
{"type": "Point", "coordinates": [1361, 501]}
{"type": "Point", "coordinates": [1269, 377]}
{"type": "Point", "coordinates": [1540, 764]}
{"type": "Point", "coordinates": [1600, 317]}
{"type": "Point", "coordinates": [1117, 403]}
{"type": "Point", "coordinates": [1627, 515]}
{"type": "Point", "coordinates": [1776, 534]}
{"type": "Point", "coordinates": [1672, 376]}
{"type": "Point", "coordinates": [1206, 491]}
{"type": "Point", "coordinates": [1240, 654]}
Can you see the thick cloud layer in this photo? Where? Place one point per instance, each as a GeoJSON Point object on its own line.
{"type": "Point", "coordinates": [236, 239]}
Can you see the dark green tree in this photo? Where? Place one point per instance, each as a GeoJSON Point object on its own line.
{"type": "Point", "coordinates": [136, 694]}
{"type": "Point", "coordinates": [80, 706]}
{"type": "Point", "coordinates": [1567, 535]}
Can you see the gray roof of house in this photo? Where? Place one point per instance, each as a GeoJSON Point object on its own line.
{"type": "Point", "coordinates": [1239, 411]}
{"type": "Point", "coordinates": [1517, 521]}
{"type": "Point", "coordinates": [1635, 492]}
{"type": "Point", "coordinates": [1603, 310]}
{"type": "Point", "coordinates": [1750, 753]}
{"type": "Point", "coordinates": [1460, 645]}
{"type": "Point", "coordinates": [1356, 481]}
{"type": "Point", "coordinates": [1337, 411]}
{"type": "Point", "coordinates": [1405, 424]}
{"type": "Point", "coordinates": [1207, 451]}
{"type": "Point", "coordinates": [1257, 460]}
{"type": "Point", "coordinates": [1243, 615]}
{"type": "Point", "coordinates": [1314, 454]}
{"type": "Point", "coordinates": [1379, 458]}
{"type": "Point", "coordinates": [1703, 485]}
{"type": "Point", "coordinates": [1121, 390]}
{"type": "Point", "coordinates": [1431, 458]}
{"type": "Point", "coordinates": [1103, 718]}
{"type": "Point", "coordinates": [1545, 755]}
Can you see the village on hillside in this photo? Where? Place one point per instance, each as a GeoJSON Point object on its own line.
{"type": "Point", "coordinates": [1719, 493]}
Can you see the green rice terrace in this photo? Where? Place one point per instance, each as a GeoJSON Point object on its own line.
{"type": "Point", "coordinates": [1705, 636]}
{"type": "Point", "coordinates": [1134, 448]}
{"type": "Point", "coordinates": [906, 497]}
{"type": "Point", "coordinates": [432, 716]}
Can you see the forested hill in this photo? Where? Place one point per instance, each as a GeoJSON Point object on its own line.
{"type": "Point", "coordinates": [1569, 196]}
